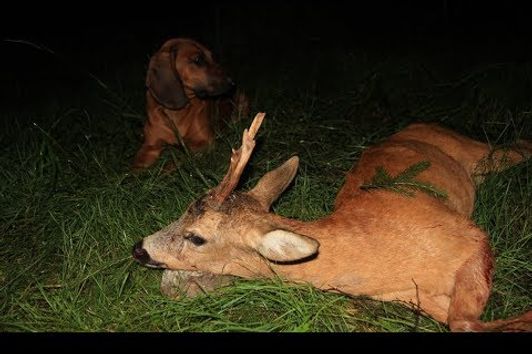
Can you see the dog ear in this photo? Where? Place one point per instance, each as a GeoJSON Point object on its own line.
{"type": "Point", "coordinates": [164, 82]}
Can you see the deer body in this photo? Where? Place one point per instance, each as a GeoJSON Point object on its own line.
{"type": "Point", "coordinates": [421, 250]}
{"type": "Point", "coordinates": [369, 253]}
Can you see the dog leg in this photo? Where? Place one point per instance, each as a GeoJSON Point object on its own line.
{"type": "Point", "coordinates": [156, 135]}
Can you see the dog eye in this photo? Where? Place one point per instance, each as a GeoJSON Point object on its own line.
{"type": "Point", "coordinates": [198, 60]}
{"type": "Point", "coordinates": [195, 239]}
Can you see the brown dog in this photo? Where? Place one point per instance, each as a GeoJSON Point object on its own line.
{"type": "Point", "coordinates": [188, 94]}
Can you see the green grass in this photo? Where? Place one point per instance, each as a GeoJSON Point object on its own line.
{"type": "Point", "coordinates": [71, 210]}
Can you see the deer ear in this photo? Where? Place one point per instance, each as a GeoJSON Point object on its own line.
{"type": "Point", "coordinates": [163, 80]}
{"type": "Point", "coordinates": [273, 183]}
{"type": "Point", "coordinates": [285, 246]}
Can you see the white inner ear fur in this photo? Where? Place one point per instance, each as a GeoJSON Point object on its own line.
{"type": "Point", "coordinates": [285, 246]}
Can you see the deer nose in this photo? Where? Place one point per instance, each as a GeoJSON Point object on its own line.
{"type": "Point", "coordinates": [140, 254]}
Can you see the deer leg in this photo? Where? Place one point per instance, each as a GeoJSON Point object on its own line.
{"type": "Point", "coordinates": [502, 159]}
{"type": "Point", "coordinates": [471, 290]}
{"type": "Point", "coordinates": [176, 283]}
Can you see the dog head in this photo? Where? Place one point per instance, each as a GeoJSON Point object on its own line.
{"type": "Point", "coordinates": [183, 69]}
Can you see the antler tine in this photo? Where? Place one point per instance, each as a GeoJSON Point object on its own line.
{"type": "Point", "coordinates": [239, 160]}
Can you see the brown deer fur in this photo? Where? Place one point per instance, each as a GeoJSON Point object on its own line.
{"type": "Point", "coordinates": [421, 250]}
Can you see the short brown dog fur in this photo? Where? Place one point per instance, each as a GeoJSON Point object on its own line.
{"type": "Point", "coordinates": [188, 94]}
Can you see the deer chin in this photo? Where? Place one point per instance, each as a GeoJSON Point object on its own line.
{"type": "Point", "coordinates": [155, 265]}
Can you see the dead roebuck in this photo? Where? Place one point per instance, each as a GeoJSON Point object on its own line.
{"type": "Point", "coordinates": [420, 249]}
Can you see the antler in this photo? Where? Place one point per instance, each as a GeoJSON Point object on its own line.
{"type": "Point", "coordinates": [239, 159]}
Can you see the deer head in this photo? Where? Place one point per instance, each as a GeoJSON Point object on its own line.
{"type": "Point", "coordinates": [228, 232]}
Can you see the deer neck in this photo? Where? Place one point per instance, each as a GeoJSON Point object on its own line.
{"type": "Point", "coordinates": [321, 269]}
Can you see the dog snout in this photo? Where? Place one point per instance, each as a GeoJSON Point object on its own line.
{"type": "Point", "coordinates": [217, 86]}
{"type": "Point", "coordinates": [225, 86]}
{"type": "Point", "coordinates": [228, 86]}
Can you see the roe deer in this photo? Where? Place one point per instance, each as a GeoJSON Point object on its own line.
{"type": "Point", "coordinates": [418, 249]}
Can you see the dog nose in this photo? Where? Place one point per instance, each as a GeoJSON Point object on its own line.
{"type": "Point", "coordinates": [140, 254]}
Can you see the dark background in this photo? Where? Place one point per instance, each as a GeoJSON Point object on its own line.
{"type": "Point", "coordinates": [113, 40]}
{"type": "Point", "coordinates": [265, 19]}
{"type": "Point", "coordinates": [98, 25]}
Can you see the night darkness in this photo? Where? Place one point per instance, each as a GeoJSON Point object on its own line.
{"type": "Point", "coordinates": [102, 38]}
{"type": "Point", "coordinates": [109, 33]}
{"type": "Point", "coordinates": [69, 26]}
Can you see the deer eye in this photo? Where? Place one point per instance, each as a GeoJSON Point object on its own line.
{"type": "Point", "coordinates": [195, 239]}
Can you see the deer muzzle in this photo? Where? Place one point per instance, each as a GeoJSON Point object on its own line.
{"type": "Point", "coordinates": [142, 256]}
